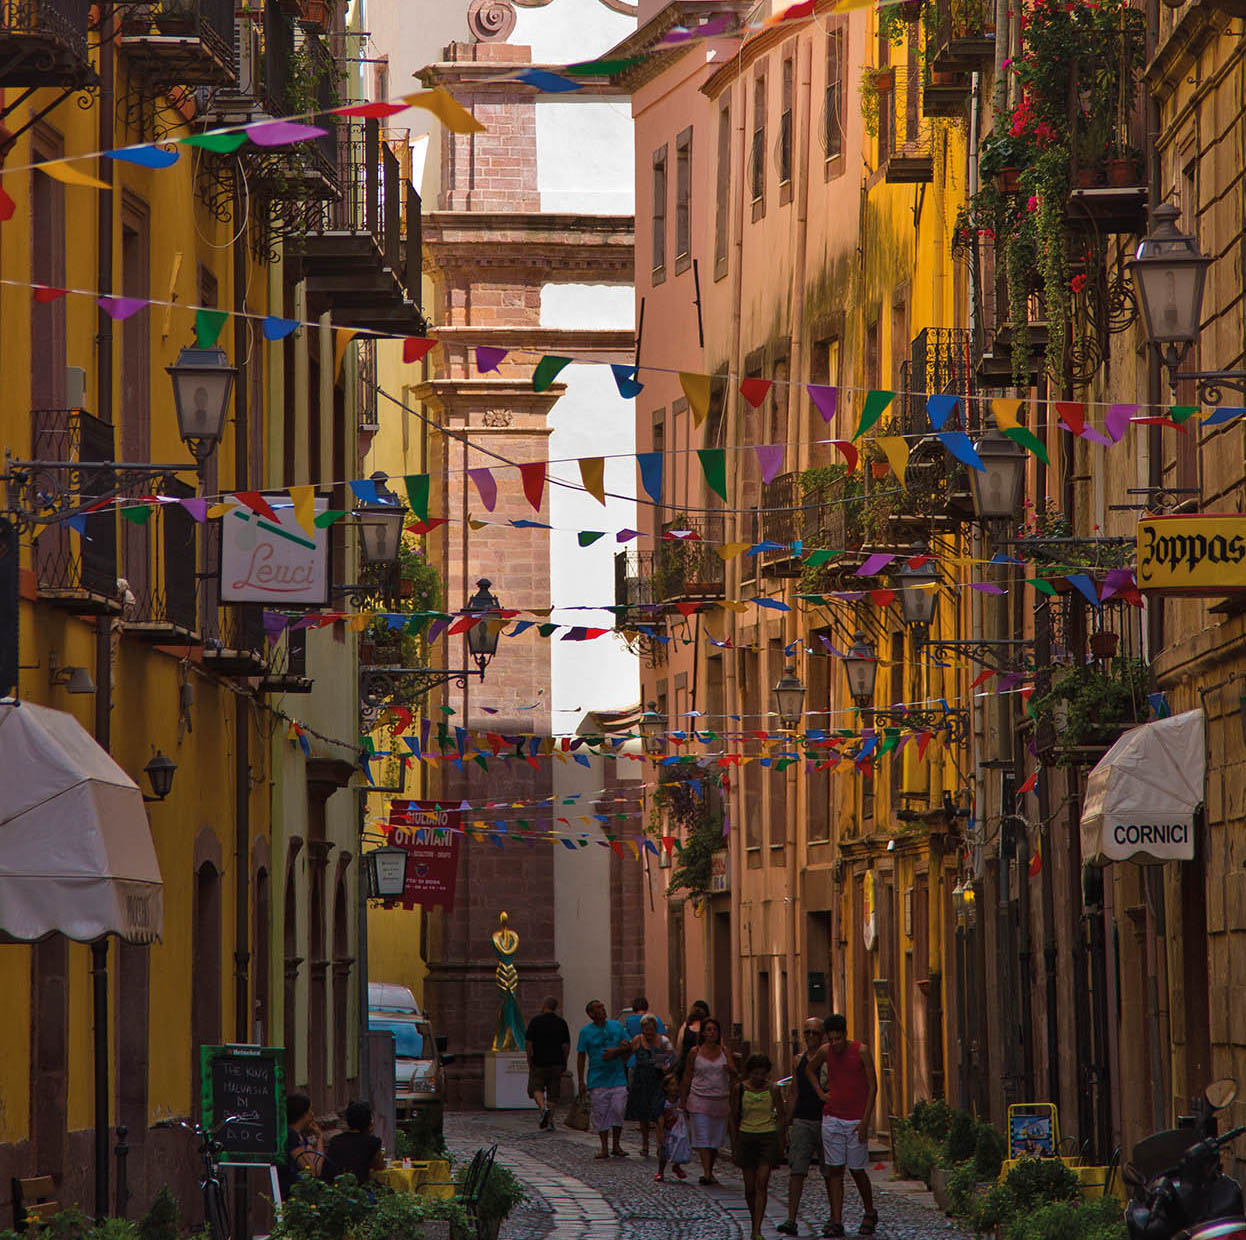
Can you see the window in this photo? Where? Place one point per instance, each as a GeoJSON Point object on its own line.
{"type": "Point", "coordinates": [823, 370]}
{"type": "Point", "coordinates": [833, 107]}
{"type": "Point", "coordinates": [722, 191]}
{"type": "Point", "coordinates": [886, 105]}
{"type": "Point", "coordinates": [659, 445]}
{"type": "Point", "coordinates": [381, 92]}
{"type": "Point", "coordinates": [759, 145]}
{"type": "Point", "coordinates": [785, 130]}
{"type": "Point", "coordinates": [659, 215]}
{"type": "Point", "coordinates": [683, 200]}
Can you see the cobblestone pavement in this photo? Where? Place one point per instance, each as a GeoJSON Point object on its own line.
{"type": "Point", "coordinates": [574, 1197]}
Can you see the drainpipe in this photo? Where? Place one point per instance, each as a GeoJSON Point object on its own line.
{"type": "Point", "coordinates": [103, 625]}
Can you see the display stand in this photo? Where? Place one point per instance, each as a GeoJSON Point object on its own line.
{"type": "Point", "coordinates": [506, 1081]}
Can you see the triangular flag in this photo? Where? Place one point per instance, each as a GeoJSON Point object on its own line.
{"type": "Point", "coordinates": [258, 504]}
{"type": "Point", "coordinates": [417, 494]}
{"type": "Point", "coordinates": [1027, 439]}
{"type": "Point", "coordinates": [488, 358]}
{"type": "Point", "coordinates": [137, 514]}
{"type": "Point", "coordinates": [283, 133]}
{"type": "Point", "coordinates": [961, 447]}
{"type": "Point", "coordinates": [304, 500]}
{"type": "Point", "coordinates": [848, 452]}
{"type": "Point", "coordinates": [588, 537]}
{"type": "Point", "coordinates": [7, 206]}
{"type": "Point", "coordinates": [370, 111]}
{"type": "Point", "coordinates": [1036, 861]}
{"type": "Point", "coordinates": [1029, 784]}
{"type": "Point", "coordinates": [650, 464]}
{"type": "Point", "coordinates": [696, 389]}
{"type": "Point", "coordinates": [147, 156]}
{"type": "Point", "coordinates": [1072, 414]}
{"type": "Point", "coordinates": [446, 108]}
{"type": "Point", "coordinates": [940, 408]}
{"type": "Point", "coordinates": [714, 466]}
{"type": "Point", "coordinates": [1116, 423]}
{"type": "Point", "coordinates": [121, 308]}
{"type": "Point", "coordinates": [486, 485]}
{"type": "Point", "coordinates": [208, 324]}
{"type": "Point", "coordinates": [547, 370]}
{"type": "Point", "coordinates": [770, 458]}
{"type": "Point", "coordinates": [876, 403]}
{"type": "Point", "coordinates": [825, 399]}
{"type": "Point", "coordinates": [533, 476]}
{"type": "Point", "coordinates": [45, 295]}
{"type": "Point", "coordinates": [326, 518]}
{"type": "Point", "coordinates": [1182, 413]}
{"type": "Point", "coordinates": [754, 390]}
{"type": "Point", "coordinates": [896, 449]}
{"type": "Point", "coordinates": [275, 328]}
{"type": "Point", "coordinates": [1005, 411]}
{"type": "Point", "coordinates": [592, 475]}
{"type": "Point", "coordinates": [416, 349]}
{"type": "Point", "coordinates": [341, 338]}
{"type": "Point", "coordinates": [216, 141]}
{"type": "Point", "coordinates": [625, 381]}
{"type": "Point", "coordinates": [67, 174]}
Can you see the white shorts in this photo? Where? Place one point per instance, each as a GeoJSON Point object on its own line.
{"type": "Point", "coordinates": [607, 1106]}
{"type": "Point", "coordinates": [841, 1146]}
{"type": "Point", "coordinates": [708, 1131]}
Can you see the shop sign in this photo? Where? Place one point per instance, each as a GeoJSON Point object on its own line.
{"type": "Point", "coordinates": [720, 875]}
{"type": "Point", "coordinates": [277, 563]}
{"type": "Point", "coordinates": [429, 831]}
{"type": "Point", "coordinates": [1204, 554]}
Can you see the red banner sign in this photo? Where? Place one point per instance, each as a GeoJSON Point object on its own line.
{"type": "Point", "coordinates": [429, 832]}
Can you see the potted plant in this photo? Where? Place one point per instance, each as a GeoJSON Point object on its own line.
{"type": "Point", "coordinates": [1103, 643]}
{"type": "Point", "coordinates": [316, 14]}
{"type": "Point", "coordinates": [1098, 701]}
{"type": "Point", "coordinates": [1121, 166]}
{"type": "Point", "coordinates": [1002, 157]}
{"type": "Point", "coordinates": [175, 19]}
{"type": "Point", "coordinates": [500, 1193]}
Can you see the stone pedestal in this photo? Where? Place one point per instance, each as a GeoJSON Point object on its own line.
{"type": "Point", "coordinates": [506, 1081]}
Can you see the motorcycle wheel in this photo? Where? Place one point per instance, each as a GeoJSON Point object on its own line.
{"type": "Point", "coordinates": [1220, 1229]}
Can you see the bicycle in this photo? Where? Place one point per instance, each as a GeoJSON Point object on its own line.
{"type": "Point", "coordinates": [215, 1211]}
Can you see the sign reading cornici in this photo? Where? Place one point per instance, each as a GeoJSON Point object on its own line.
{"type": "Point", "coordinates": [1202, 555]}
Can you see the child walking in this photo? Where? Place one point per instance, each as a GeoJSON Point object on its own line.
{"type": "Point", "coordinates": [673, 1146]}
{"type": "Point", "coordinates": [758, 1123]}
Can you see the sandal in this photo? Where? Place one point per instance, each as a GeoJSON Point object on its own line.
{"type": "Point", "coordinates": [659, 1178]}
{"type": "Point", "coordinates": [599, 1157]}
{"type": "Point", "coordinates": [788, 1227]}
{"type": "Point", "coordinates": [680, 1172]}
{"type": "Point", "coordinates": [832, 1229]}
{"type": "Point", "coordinates": [618, 1153]}
{"type": "Point", "coordinates": [704, 1179]}
{"type": "Point", "coordinates": [869, 1224]}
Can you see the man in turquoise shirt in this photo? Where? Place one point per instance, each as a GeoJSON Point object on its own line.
{"type": "Point", "coordinates": [604, 1048]}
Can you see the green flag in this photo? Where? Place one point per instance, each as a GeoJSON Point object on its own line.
{"type": "Point", "coordinates": [876, 403]}
{"type": "Point", "coordinates": [417, 494]}
{"type": "Point", "coordinates": [208, 324]}
{"type": "Point", "coordinates": [714, 467]}
{"type": "Point", "coordinates": [1027, 439]}
{"type": "Point", "coordinates": [137, 514]}
{"type": "Point", "coordinates": [589, 537]}
{"type": "Point", "coordinates": [547, 370]}
{"type": "Point", "coordinates": [220, 143]}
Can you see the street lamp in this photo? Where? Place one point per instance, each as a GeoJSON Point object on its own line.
{"type": "Point", "coordinates": [159, 772]}
{"type": "Point", "coordinates": [918, 589]}
{"type": "Point", "coordinates": [789, 697]}
{"type": "Point", "coordinates": [652, 729]}
{"type": "Point", "coordinates": [1169, 275]}
{"type": "Point", "coordinates": [386, 868]}
{"type": "Point", "coordinates": [482, 637]}
{"type": "Point", "coordinates": [997, 488]}
{"type": "Point", "coordinates": [380, 525]}
{"type": "Point", "coordinates": [203, 380]}
{"type": "Point", "coordinates": [861, 665]}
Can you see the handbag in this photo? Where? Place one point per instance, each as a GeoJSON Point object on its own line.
{"type": "Point", "coordinates": [578, 1116]}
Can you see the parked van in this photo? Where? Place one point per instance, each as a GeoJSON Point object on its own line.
{"type": "Point", "coordinates": [419, 1055]}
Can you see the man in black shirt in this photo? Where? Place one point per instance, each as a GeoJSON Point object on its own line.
{"type": "Point", "coordinates": [547, 1043]}
{"type": "Point", "coordinates": [804, 1114]}
{"type": "Point", "coordinates": [357, 1151]}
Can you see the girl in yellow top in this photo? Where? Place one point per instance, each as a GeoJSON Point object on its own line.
{"type": "Point", "coordinates": [758, 1123]}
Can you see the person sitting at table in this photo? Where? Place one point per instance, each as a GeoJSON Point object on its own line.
{"type": "Point", "coordinates": [302, 1145]}
{"type": "Point", "coordinates": [357, 1151]}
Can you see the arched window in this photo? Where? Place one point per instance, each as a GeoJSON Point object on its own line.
{"type": "Point", "coordinates": [205, 1003]}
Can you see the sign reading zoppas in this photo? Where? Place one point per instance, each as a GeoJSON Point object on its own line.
{"type": "Point", "coordinates": [1203, 554]}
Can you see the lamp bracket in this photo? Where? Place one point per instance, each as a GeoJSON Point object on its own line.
{"type": "Point", "coordinates": [954, 719]}
{"type": "Point", "coordinates": [998, 654]}
{"type": "Point", "coordinates": [1211, 383]}
{"type": "Point", "coordinates": [379, 686]}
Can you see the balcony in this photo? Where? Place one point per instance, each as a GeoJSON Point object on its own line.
{"type": "Point", "coordinates": [44, 43]}
{"type": "Point", "coordinates": [963, 38]}
{"type": "Point", "coordinates": [76, 571]}
{"type": "Point", "coordinates": [833, 502]}
{"type": "Point", "coordinates": [287, 669]}
{"type": "Point", "coordinates": [946, 94]}
{"type": "Point", "coordinates": [906, 136]}
{"type": "Point", "coordinates": [689, 569]}
{"type": "Point", "coordinates": [233, 640]}
{"type": "Point", "coordinates": [782, 521]}
{"type": "Point", "coordinates": [357, 261]}
{"type": "Point", "coordinates": [180, 42]}
{"type": "Point", "coordinates": [164, 611]}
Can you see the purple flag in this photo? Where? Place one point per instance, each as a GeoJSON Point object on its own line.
{"type": "Point", "coordinates": [824, 398]}
{"type": "Point", "coordinates": [274, 625]}
{"type": "Point", "coordinates": [488, 358]}
{"type": "Point", "coordinates": [120, 308]}
{"type": "Point", "coordinates": [826, 641]}
{"type": "Point", "coordinates": [770, 457]}
{"type": "Point", "coordinates": [986, 587]}
{"type": "Point", "coordinates": [1117, 421]}
{"type": "Point", "coordinates": [281, 133]}
{"type": "Point", "coordinates": [875, 564]}
{"type": "Point", "coordinates": [487, 485]}
{"type": "Point", "coordinates": [198, 508]}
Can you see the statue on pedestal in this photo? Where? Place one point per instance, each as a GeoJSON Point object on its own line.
{"type": "Point", "coordinates": [510, 1031]}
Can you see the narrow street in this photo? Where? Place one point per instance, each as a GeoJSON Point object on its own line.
{"type": "Point", "coordinates": [574, 1197]}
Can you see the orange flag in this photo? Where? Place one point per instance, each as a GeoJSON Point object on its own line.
{"type": "Point", "coordinates": [593, 474]}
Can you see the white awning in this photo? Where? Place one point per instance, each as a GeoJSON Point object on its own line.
{"type": "Point", "coordinates": [1141, 799]}
{"type": "Point", "coordinates": [76, 854]}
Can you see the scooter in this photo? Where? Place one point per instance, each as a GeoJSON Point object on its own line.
{"type": "Point", "coordinates": [1180, 1191]}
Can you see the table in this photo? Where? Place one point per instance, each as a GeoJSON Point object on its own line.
{"type": "Point", "coordinates": [427, 1179]}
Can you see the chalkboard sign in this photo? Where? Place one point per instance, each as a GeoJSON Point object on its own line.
{"type": "Point", "coordinates": [246, 1083]}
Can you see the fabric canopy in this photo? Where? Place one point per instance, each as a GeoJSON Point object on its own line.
{"type": "Point", "coordinates": [76, 854]}
{"type": "Point", "coordinates": [1142, 797]}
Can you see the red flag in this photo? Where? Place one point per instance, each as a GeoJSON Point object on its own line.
{"type": "Point", "coordinates": [1036, 861]}
{"type": "Point", "coordinates": [462, 624]}
{"type": "Point", "coordinates": [257, 503]}
{"type": "Point", "coordinates": [754, 390]}
{"type": "Point", "coordinates": [850, 453]}
{"type": "Point", "coordinates": [416, 348]}
{"type": "Point", "coordinates": [7, 206]}
{"type": "Point", "coordinates": [426, 527]}
{"type": "Point", "coordinates": [45, 295]}
{"type": "Point", "coordinates": [533, 475]}
{"type": "Point", "coordinates": [1028, 786]}
{"type": "Point", "coordinates": [882, 598]}
{"type": "Point", "coordinates": [923, 742]}
{"type": "Point", "coordinates": [686, 609]}
{"type": "Point", "coordinates": [1073, 413]}
{"type": "Point", "coordinates": [982, 678]}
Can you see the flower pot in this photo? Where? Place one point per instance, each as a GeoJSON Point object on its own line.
{"type": "Point", "coordinates": [175, 23]}
{"type": "Point", "coordinates": [317, 14]}
{"type": "Point", "coordinates": [1010, 180]}
{"type": "Point", "coordinates": [884, 81]}
{"type": "Point", "coordinates": [1086, 178]}
{"type": "Point", "coordinates": [1122, 170]}
{"type": "Point", "coordinates": [1103, 643]}
{"type": "Point", "coordinates": [879, 469]}
{"type": "Point", "coordinates": [406, 587]}
{"type": "Point", "coordinates": [941, 77]}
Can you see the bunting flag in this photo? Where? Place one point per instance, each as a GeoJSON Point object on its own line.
{"type": "Point", "coordinates": [696, 390]}
{"type": "Point", "coordinates": [67, 174]}
{"type": "Point", "coordinates": [370, 111]}
{"type": "Point", "coordinates": [446, 108]}
{"type": "Point", "coordinates": [417, 494]}
{"type": "Point", "coordinates": [848, 451]}
{"type": "Point", "coordinates": [416, 349]}
{"type": "Point", "coordinates": [1221, 416]}
{"type": "Point", "coordinates": [1030, 783]}
{"type": "Point", "coordinates": [825, 399]}
{"type": "Point", "coordinates": [961, 447]}
{"type": "Point", "coordinates": [896, 450]}
{"type": "Point", "coordinates": [7, 206]}
{"type": "Point", "coordinates": [217, 141]}
{"type": "Point", "coordinates": [714, 467]}
{"type": "Point", "coordinates": [544, 80]}
{"type": "Point", "coordinates": [1116, 423]}
{"type": "Point", "coordinates": [754, 391]}
{"type": "Point", "coordinates": [1005, 410]}
{"type": "Point", "coordinates": [208, 324]}
{"type": "Point", "coordinates": [876, 403]}
{"type": "Point", "coordinates": [593, 475]}
{"type": "Point", "coordinates": [1028, 440]}
{"type": "Point", "coordinates": [146, 156]}
{"type": "Point", "coordinates": [1182, 413]}
{"type": "Point", "coordinates": [45, 295]}
{"type": "Point", "coordinates": [533, 476]}
{"type": "Point", "coordinates": [121, 308]}
{"type": "Point", "coordinates": [1036, 861]}
{"type": "Point", "coordinates": [940, 408]}
{"type": "Point", "coordinates": [275, 328]}
{"type": "Point", "coordinates": [258, 504]}
{"type": "Point", "coordinates": [488, 358]}
{"type": "Point", "coordinates": [283, 133]}
{"type": "Point", "coordinates": [486, 486]}
{"type": "Point", "coordinates": [304, 500]}
{"type": "Point", "coordinates": [136, 514]}
{"type": "Point", "coordinates": [1072, 414]}
{"type": "Point", "coordinates": [650, 466]}
{"type": "Point", "coordinates": [770, 459]}
{"type": "Point", "coordinates": [342, 337]}
{"type": "Point", "coordinates": [547, 370]}
{"type": "Point", "coordinates": [625, 381]}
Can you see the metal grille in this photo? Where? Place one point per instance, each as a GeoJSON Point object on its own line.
{"type": "Point", "coordinates": [687, 568]}
{"type": "Point", "coordinates": [939, 364]}
{"type": "Point", "coordinates": [64, 20]}
{"type": "Point", "coordinates": [633, 586]}
{"type": "Point", "coordinates": [167, 595]}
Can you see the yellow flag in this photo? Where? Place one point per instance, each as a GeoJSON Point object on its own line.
{"type": "Point", "coordinates": [1005, 411]}
{"type": "Point", "coordinates": [729, 551]}
{"type": "Point", "coordinates": [219, 510]}
{"type": "Point", "coordinates": [358, 622]}
{"type": "Point", "coordinates": [735, 605]}
{"type": "Point", "coordinates": [446, 108]}
{"type": "Point", "coordinates": [897, 451]}
{"type": "Point", "coordinates": [67, 174]}
{"type": "Point", "coordinates": [697, 390]}
{"type": "Point", "coordinates": [593, 475]}
{"type": "Point", "coordinates": [342, 336]}
{"type": "Point", "coordinates": [635, 849]}
{"type": "Point", "coordinates": [304, 500]}
{"type": "Point", "coordinates": [477, 525]}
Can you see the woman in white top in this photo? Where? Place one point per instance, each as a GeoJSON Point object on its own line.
{"type": "Point", "coordinates": [709, 1074]}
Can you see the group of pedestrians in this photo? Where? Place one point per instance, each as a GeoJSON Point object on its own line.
{"type": "Point", "coordinates": [689, 1094]}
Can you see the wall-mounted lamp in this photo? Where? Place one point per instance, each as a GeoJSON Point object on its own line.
{"type": "Point", "coordinates": [159, 771]}
{"type": "Point", "coordinates": [73, 679]}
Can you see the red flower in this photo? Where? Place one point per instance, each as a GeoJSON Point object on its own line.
{"type": "Point", "coordinates": [1077, 283]}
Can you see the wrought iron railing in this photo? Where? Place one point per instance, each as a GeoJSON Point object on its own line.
{"type": "Point", "coordinates": [832, 514]}
{"type": "Point", "coordinates": [64, 21]}
{"type": "Point", "coordinates": [166, 595]}
{"type": "Point", "coordinates": [940, 363]}
{"type": "Point", "coordinates": [689, 568]}
{"type": "Point", "coordinates": [963, 36]}
{"type": "Point", "coordinates": [633, 587]}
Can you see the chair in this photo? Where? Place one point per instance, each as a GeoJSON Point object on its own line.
{"type": "Point", "coordinates": [474, 1186]}
{"type": "Point", "coordinates": [34, 1200]}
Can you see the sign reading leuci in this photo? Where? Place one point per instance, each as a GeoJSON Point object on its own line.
{"type": "Point", "coordinates": [1197, 555]}
{"type": "Point", "coordinates": [274, 562]}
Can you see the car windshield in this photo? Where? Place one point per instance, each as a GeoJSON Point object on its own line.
{"type": "Point", "coordinates": [409, 1039]}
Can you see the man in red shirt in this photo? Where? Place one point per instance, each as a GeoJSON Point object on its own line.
{"type": "Point", "coordinates": [848, 1104]}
